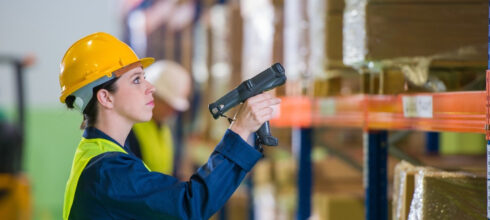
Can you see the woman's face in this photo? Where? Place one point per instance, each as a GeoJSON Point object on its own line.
{"type": "Point", "coordinates": [133, 98]}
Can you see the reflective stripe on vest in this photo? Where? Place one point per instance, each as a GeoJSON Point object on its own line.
{"type": "Point", "coordinates": [87, 149]}
{"type": "Point", "coordinates": [156, 146]}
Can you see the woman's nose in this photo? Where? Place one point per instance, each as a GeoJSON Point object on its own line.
{"type": "Point", "coordinates": [150, 87]}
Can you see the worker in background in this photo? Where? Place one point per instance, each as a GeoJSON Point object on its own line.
{"type": "Point", "coordinates": [104, 79]}
{"type": "Point", "coordinates": [152, 140]}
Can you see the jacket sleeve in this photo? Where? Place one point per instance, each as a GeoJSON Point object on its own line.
{"type": "Point", "coordinates": [126, 186]}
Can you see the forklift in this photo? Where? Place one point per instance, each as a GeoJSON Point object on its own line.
{"type": "Point", "coordinates": [15, 190]}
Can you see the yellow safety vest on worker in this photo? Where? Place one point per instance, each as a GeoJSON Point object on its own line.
{"type": "Point", "coordinates": [86, 150]}
{"type": "Point", "coordinates": [156, 146]}
{"type": "Point", "coordinates": [156, 149]}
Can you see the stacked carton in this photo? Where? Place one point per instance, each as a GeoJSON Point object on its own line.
{"type": "Point", "coordinates": [408, 42]}
{"type": "Point", "coordinates": [325, 43]}
{"type": "Point", "coordinates": [448, 195]}
{"type": "Point", "coordinates": [275, 195]}
{"type": "Point", "coordinates": [386, 29]}
{"type": "Point", "coordinates": [428, 193]}
{"type": "Point", "coordinates": [337, 206]}
{"type": "Point", "coordinates": [403, 188]}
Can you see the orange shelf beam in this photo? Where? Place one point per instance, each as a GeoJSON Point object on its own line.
{"type": "Point", "coordinates": [451, 111]}
{"type": "Point", "coordinates": [294, 112]}
{"type": "Point", "coordinates": [345, 111]}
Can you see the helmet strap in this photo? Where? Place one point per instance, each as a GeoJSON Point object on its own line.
{"type": "Point", "coordinates": [84, 94]}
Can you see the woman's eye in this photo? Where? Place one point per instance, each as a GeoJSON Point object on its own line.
{"type": "Point", "coordinates": [136, 80]}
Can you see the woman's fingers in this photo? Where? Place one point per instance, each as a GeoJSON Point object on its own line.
{"type": "Point", "coordinates": [254, 112]}
{"type": "Point", "coordinates": [259, 97]}
{"type": "Point", "coordinates": [264, 115]}
{"type": "Point", "coordinates": [264, 103]}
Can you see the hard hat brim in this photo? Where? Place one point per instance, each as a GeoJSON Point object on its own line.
{"type": "Point", "coordinates": [145, 62]}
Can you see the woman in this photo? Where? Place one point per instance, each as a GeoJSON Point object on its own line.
{"type": "Point", "coordinates": [103, 78]}
{"type": "Point", "coordinates": [151, 141]}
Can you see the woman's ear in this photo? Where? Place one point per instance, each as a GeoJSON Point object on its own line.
{"type": "Point", "coordinates": [105, 98]}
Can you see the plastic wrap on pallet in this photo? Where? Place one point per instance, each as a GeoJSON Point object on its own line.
{"type": "Point", "coordinates": [325, 38]}
{"type": "Point", "coordinates": [220, 60]}
{"type": "Point", "coordinates": [399, 184]}
{"type": "Point", "coordinates": [354, 32]}
{"type": "Point", "coordinates": [316, 16]}
{"type": "Point", "coordinates": [417, 70]}
{"type": "Point", "coordinates": [264, 202]}
{"type": "Point", "coordinates": [403, 188]}
{"type": "Point", "coordinates": [258, 24]}
{"type": "Point", "coordinates": [295, 40]}
{"type": "Point", "coordinates": [200, 70]}
{"type": "Point", "coordinates": [448, 195]}
{"type": "Point", "coordinates": [376, 30]}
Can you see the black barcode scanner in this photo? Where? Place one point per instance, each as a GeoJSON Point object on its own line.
{"type": "Point", "coordinates": [266, 80]}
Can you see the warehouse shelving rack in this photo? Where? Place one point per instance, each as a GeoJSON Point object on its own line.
{"type": "Point", "coordinates": [376, 114]}
{"type": "Point", "coordinates": [467, 111]}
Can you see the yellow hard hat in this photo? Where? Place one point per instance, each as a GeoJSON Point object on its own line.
{"type": "Point", "coordinates": [93, 57]}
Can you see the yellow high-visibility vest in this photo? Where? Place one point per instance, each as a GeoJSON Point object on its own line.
{"type": "Point", "coordinates": [156, 146]}
{"type": "Point", "coordinates": [86, 150]}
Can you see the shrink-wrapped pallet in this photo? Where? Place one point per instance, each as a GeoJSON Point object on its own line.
{"type": "Point", "coordinates": [403, 188]}
{"type": "Point", "coordinates": [448, 195]}
{"type": "Point", "coordinates": [389, 29]}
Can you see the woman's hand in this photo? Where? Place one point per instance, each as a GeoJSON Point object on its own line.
{"type": "Point", "coordinates": [253, 113]}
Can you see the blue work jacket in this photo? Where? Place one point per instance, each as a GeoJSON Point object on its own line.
{"type": "Point", "coordinates": [115, 185]}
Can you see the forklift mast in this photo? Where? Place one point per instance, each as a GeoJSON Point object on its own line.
{"type": "Point", "coordinates": [15, 189]}
{"type": "Point", "coordinates": [12, 135]}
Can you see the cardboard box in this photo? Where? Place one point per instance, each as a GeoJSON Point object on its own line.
{"type": "Point", "coordinates": [286, 202]}
{"type": "Point", "coordinates": [390, 81]}
{"type": "Point", "coordinates": [333, 40]}
{"type": "Point", "coordinates": [380, 30]}
{"type": "Point", "coordinates": [335, 6]}
{"type": "Point", "coordinates": [448, 195]}
{"type": "Point", "coordinates": [325, 37]}
{"type": "Point", "coordinates": [327, 87]}
{"type": "Point", "coordinates": [236, 208]}
{"type": "Point", "coordinates": [395, 80]}
{"type": "Point", "coordinates": [186, 48]}
{"type": "Point", "coordinates": [284, 172]}
{"type": "Point", "coordinates": [334, 175]}
{"type": "Point", "coordinates": [264, 202]}
{"type": "Point", "coordinates": [235, 27]}
{"type": "Point", "coordinates": [262, 172]}
{"type": "Point", "coordinates": [403, 189]}
{"type": "Point", "coordinates": [339, 206]}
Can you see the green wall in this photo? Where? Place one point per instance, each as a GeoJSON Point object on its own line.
{"type": "Point", "coordinates": [52, 137]}
{"type": "Point", "coordinates": [452, 143]}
